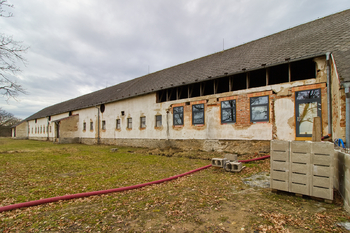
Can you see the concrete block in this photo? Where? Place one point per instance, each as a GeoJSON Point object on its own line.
{"type": "Point", "coordinates": [320, 181]}
{"type": "Point", "coordinates": [279, 185]}
{"type": "Point", "coordinates": [280, 155]}
{"type": "Point", "coordinates": [300, 168]}
{"type": "Point", "coordinates": [300, 158]}
{"type": "Point", "coordinates": [277, 145]}
{"type": "Point", "coordinates": [233, 166]}
{"type": "Point", "coordinates": [322, 159]}
{"type": "Point", "coordinates": [300, 178]}
{"type": "Point", "coordinates": [322, 171]}
{"type": "Point", "coordinates": [231, 157]}
{"type": "Point", "coordinates": [280, 165]}
{"type": "Point", "coordinates": [300, 188]}
{"type": "Point", "coordinates": [322, 148]}
{"type": "Point", "coordinates": [300, 147]}
{"type": "Point", "coordinates": [325, 193]}
{"type": "Point", "coordinates": [279, 175]}
{"type": "Point", "coordinates": [218, 162]}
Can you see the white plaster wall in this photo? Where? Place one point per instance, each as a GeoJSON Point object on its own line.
{"type": "Point", "coordinates": [41, 122]}
{"type": "Point", "coordinates": [284, 119]}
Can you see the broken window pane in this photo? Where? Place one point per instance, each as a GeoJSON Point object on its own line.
{"type": "Point", "coordinates": [198, 114]}
{"type": "Point", "coordinates": [228, 111]}
{"type": "Point", "coordinates": [178, 115]}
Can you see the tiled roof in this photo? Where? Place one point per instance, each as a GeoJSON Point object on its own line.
{"type": "Point", "coordinates": [328, 34]}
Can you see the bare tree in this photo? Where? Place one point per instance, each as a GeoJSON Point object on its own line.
{"type": "Point", "coordinates": [7, 119]}
{"type": "Point", "coordinates": [11, 52]}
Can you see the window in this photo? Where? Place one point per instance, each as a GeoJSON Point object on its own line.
{"type": "Point", "coordinates": [159, 121]}
{"type": "Point", "coordinates": [103, 125]}
{"type": "Point", "coordinates": [84, 126]}
{"type": "Point", "coordinates": [35, 129]}
{"type": "Point", "coordinates": [50, 128]}
{"type": "Point", "coordinates": [228, 111]}
{"type": "Point", "coordinates": [32, 129]}
{"type": "Point", "coordinates": [198, 114]}
{"type": "Point", "coordinates": [259, 108]}
{"type": "Point", "coordinates": [36, 120]}
{"type": "Point", "coordinates": [129, 123]}
{"type": "Point", "coordinates": [178, 115]}
{"type": "Point", "coordinates": [143, 122]}
{"type": "Point", "coordinates": [117, 124]}
{"type": "Point", "coordinates": [123, 113]}
{"type": "Point", "coordinates": [41, 129]}
{"type": "Point", "coordinates": [91, 125]}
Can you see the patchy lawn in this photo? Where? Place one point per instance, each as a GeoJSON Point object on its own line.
{"type": "Point", "coordinates": [211, 200]}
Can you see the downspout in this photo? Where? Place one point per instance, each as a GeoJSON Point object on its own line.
{"type": "Point", "coordinates": [329, 94]}
{"type": "Point", "coordinates": [347, 109]}
{"type": "Point", "coordinates": [167, 124]}
{"type": "Point", "coordinates": [47, 129]}
{"type": "Point", "coordinates": [98, 124]}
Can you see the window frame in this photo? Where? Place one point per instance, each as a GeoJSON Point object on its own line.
{"type": "Point", "coordinates": [235, 112]}
{"type": "Point", "coordinates": [198, 111]}
{"type": "Point", "coordinates": [91, 125]}
{"type": "Point", "coordinates": [159, 120]}
{"type": "Point", "coordinates": [178, 113]}
{"type": "Point", "coordinates": [129, 124]}
{"type": "Point", "coordinates": [260, 105]}
{"type": "Point", "coordinates": [142, 122]}
{"type": "Point", "coordinates": [117, 123]}
{"type": "Point", "coordinates": [103, 125]}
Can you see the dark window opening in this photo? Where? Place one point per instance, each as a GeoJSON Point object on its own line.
{"type": "Point", "coordinates": [304, 69]}
{"type": "Point", "coordinates": [208, 87]}
{"type": "Point", "coordinates": [182, 92]}
{"type": "Point", "coordinates": [49, 118]}
{"type": "Point", "coordinates": [102, 108]}
{"type": "Point", "coordinates": [161, 96]}
{"type": "Point", "coordinates": [123, 113]}
{"type": "Point", "coordinates": [228, 111]}
{"type": "Point", "coordinates": [172, 94]}
{"type": "Point", "coordinates": [36, 120]}
{"type": "Point", "coordinates": [197, 114]}
{"type": "Point", "coordinates": [91, 125]}
{"type": "Point", "coordinates": [178, 115]}
{"type": "Point", "coordinates": [84, 126]}
{"type": "Point", "coordinates": [239, 82]}
{"type": "Point", "coordinates": [103, 125]}
{"type": "Point", "coordinates": [223, 85]}
{"type": "Point", "coordinates": [195, 90]}
{"type": "Point", "coordinates": [257, 78]}
{"type": "Point", "coordinates": [278, 74]}
{"type": "Point", "coordinates": [70, 113]}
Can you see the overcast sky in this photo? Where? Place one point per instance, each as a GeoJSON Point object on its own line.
{"type": "Point", "coordinates": [77, 47]}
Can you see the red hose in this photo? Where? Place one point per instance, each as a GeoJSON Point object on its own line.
{"type": "Point", "coordinates": [88, 194]}
{"type": "Point", "coordinates": [255, 159]}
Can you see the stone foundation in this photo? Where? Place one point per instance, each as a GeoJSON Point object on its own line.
{"type": "Point", "coordinates": [231, 146]}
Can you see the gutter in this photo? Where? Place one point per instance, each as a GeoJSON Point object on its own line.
{"type": "Point", "coordinates": [98, 125]}
{"type": "Point", "coordinates": [347, 110]}
{"type": "Point", "coordinates": [329, 95]}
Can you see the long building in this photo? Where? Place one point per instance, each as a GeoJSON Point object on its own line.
{"type": "Point", "coordinates": [235, 100]}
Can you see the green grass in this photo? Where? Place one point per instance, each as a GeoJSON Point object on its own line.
{"type": "Point", "coordinates": [206, 201]}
